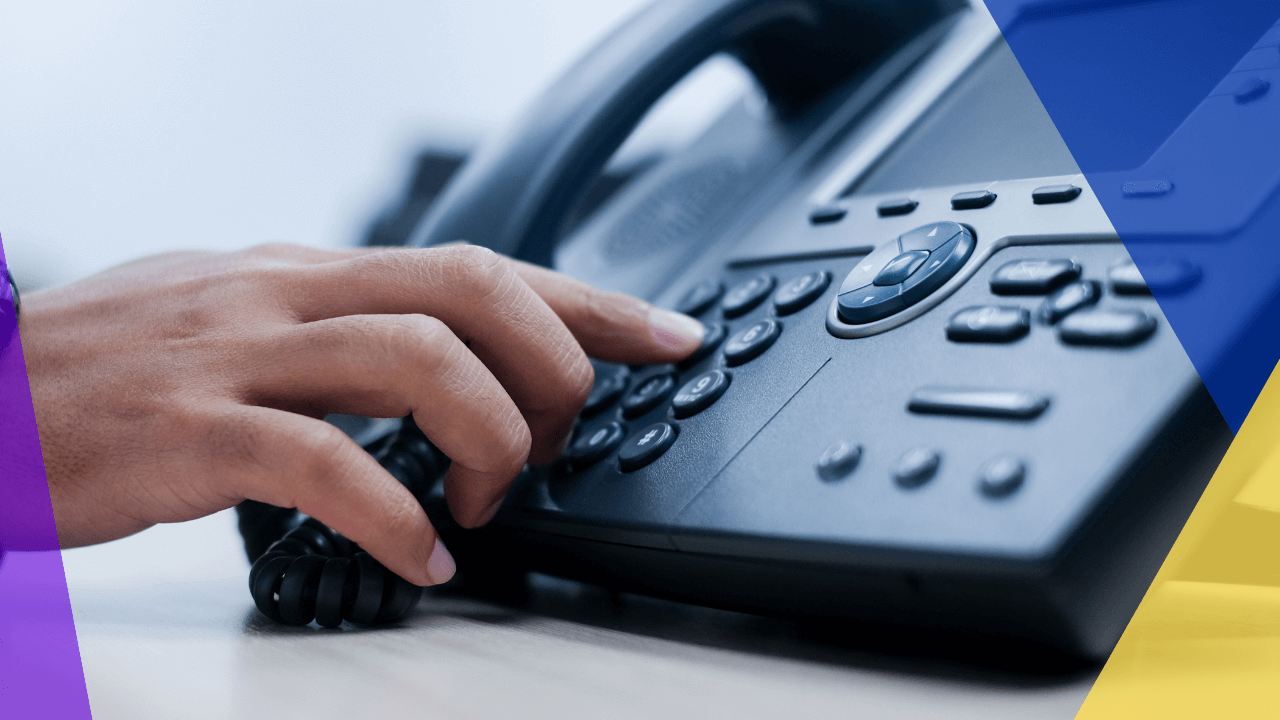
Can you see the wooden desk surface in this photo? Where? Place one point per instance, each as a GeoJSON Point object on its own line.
{"type": "Point", "coordinates": [167, 629]}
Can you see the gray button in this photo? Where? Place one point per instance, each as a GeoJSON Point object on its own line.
{"type": "Point", "coordinates": [1033, 277]}
{"type": "Point", "coordinates": [1115, 328]}
{"type": "Point", "coordinates": [916, 467]}
{"type": "Point", "coordinates": [839, 460]}
{"type": "Point", "coordinates": [989, 323]}
{"type": "Point", "coordinates": [1006, 404]}
{"type": "Point", "coordinates": [901, 267]}
{"type": "Point", "coordinates": [1002, 476]}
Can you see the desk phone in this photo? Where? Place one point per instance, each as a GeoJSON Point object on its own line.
{"type": "Point", "coordinates": [934, 390]}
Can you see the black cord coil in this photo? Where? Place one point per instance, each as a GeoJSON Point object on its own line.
{"type": "Point", "coordinates": [304, 571]}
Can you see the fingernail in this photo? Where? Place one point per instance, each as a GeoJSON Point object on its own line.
{"type": "Point", "coordinates": [440, 566]}
{"type": "Point", "coordinates": [675, 331]}
{"type": "Point", "coordinates": [493, 510]}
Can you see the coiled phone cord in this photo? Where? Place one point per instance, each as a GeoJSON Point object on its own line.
{"type": "Point", "coordinates": [304, 571]}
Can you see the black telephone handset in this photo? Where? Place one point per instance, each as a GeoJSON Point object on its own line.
{"type": "Point", "coordinates": [934, 389]}
{"type": "Point", "coordinates": [513, 196]}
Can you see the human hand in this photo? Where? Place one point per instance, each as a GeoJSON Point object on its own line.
{"type": "Point", "coordinates": [177, 386]}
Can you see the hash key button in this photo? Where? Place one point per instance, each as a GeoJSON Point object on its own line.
{"type": "Point", "coordinates": [989, 323]}
{"type": "Point", "coordinates": [1033, 277]}
{"type": "Point", "coordinates": [646, 446]}
{"type": "Point", "coordinates": [699, 393]}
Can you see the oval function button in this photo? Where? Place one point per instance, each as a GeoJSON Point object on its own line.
{"type": "Point", "coordinates": [745, 296]}
{"type": "Point", "coordinates": [1033, 277]}
{"type": "Point", "coordinates": [594, 444]}
{"type": "Point", "coordinates": [839, 460]}
{"type": "Point", "coordinates": [700, 297]}
{"type": "Point", "coordinates": [1069, 299]}
{"type": "Point", "coordinates": [989, 323]}
{"type": "Point", "coordinates": [972, 200]}
{"type": "Point", "coordinates": [699, 393]}
{"type": "Point", "coordinates": [749, 343]}
{"type": "Point", "coordinates": [797, 293]}
{"type": "Point", "coordinates": [897, 206]}
{"type": "Point", "coordinates": [648, 395]}
{"type": "Point", "coordinates": [1164, 276]}
{"type": "Point", "coordinates": [1115, 328]}
{"type": "Point", "coordinates": [916, 467]}
{"type": "Point", "coordinates": [713, 334]}
{"type": "Point", "coordinates": [827, 214]}
{"type": "Point", "coordinates": [862, 300]}
{"type": "Point", "coordinates": [1007, 404]}
{"type": "Point", "coordinates": [1002, 476]}
{"type": "Point", "coordinates": [1053, 194]}
{"type": "Point", "coordinates": [646, 446]}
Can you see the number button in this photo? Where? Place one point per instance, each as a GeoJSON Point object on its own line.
{"type": "Point", "coordinates": [648, 395]}
{"type": "Point", "coordinates": [748, 344]}
{"type": "Point", "coordinates": [798, 293]}
{"type": "Point", "coordinates": [744, 297]}
{"type": "Point", "coordinates": [595, 444]}
{"type": "Point", "coordinates": [699, 393]}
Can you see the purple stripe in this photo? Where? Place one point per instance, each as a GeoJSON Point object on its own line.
{"type": "Point", "coordinates": [40, 671]}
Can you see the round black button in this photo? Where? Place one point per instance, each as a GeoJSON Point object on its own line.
{"type": "Point", "coordinates": [1001, 476]}
{"type": "Point", "coordinates": [749, 343]}
{"type": "Point", "coordinates": [745, 296]}
{"type": "Point", "coordinates": [648, 395]}
{"type": "Point", "coordinates": [916, 467]}
{"type": "Point", "coordinates": [700, 297]}
{"type": "Point", "coordinates": [699, 393]}
{"type": "Point", "coordinates": [646, 446]}
{"type": "Point", "coordinates": [609, 386]}
{"type": "Point", "coordinates": [713, 335]}
{"type": "Point", "coordinates": [594, 444]}
{"type": "Point", "coordinates": [799, 292]}
{"type": "Point", "coordinates": [839, 460]}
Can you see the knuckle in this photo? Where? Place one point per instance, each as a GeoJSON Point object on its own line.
{"type": "Point", "coordinates": [482, 274]}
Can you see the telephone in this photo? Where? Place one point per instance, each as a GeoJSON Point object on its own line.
{"type": "Point", "coordinates": [934, 391]}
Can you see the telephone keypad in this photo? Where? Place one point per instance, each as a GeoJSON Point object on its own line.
{"type": "Point", "coordinates": [989, 323]}
{"type": "Point", "coordinates": [646, 446]}
{"type": "Point", "coordinates": [751, 342]}
{"type": "Point", "coordinates": [743, 298]}
{"type": "Point", "coordinates": [1068, 299]}
{"type": "Point", "coordinates": [797, 293]}
{"type": "Point", "coordinates": [699, 393]}
{"type": "Point", "coordinates": [648, 395]}
{"type": "Point", "coordinates": [1033, 277]}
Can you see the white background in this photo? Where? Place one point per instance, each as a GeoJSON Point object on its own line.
{"type": "Point", "coordinates": [137, 127]}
